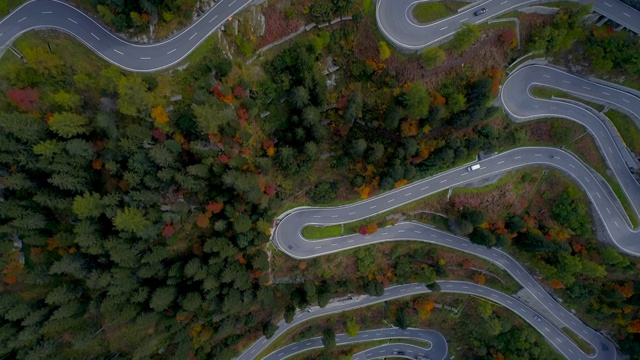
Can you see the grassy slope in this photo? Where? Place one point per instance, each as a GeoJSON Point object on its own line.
{"type": "Point", "coordinates": [435, 10]}
{"type": "Point", "coordinates": [627, 129]}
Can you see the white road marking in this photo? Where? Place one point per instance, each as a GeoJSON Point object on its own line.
{"type": "Point", "coordinates": [546, 328]}
{"type": "Point", "coordinates": [417, 232]}
{"type": "Point", "coordinates": [606, 93]}
{"type": "Point", "coordinates": [517, 157]}
{"type": "Point", "coordinates": [171, 51]}
{"type": "Point", "coordinates": [210, 21]}
{"type": "Point", "coordinates": [599, 197]}
{"type": "Point", "coordinates": [432, 235]}
{"type": "Point", "coordinates": [615, 222]}
{"type": "Point", "coordinates": [611, 151]}
{"type": "Point", "coordinates": [586, 178]}
{"type": "Point", "coordinates": [334, 216]}
{"type": "Point", "coordinates": [192, 36]}
{"type": "Point", "coordinates": [119, 52]}
{"type": "Point", "coordinates": [318, 247]}
{"type": "Point", "coordinates": [145, 58]}
{"type": "Point", "coordinates": [444, 28]}
{"type": "Point", "coordinates": [407, 194]}
{"type": "Point", "coordinates": [233, 2]}
{"type": "Point", "coordinates": [608, 211]}
{"type": "Point", "coordinates": [449, 240]}
{"type": "Point", "coordinates": [1, 34]}
{"type": "Point", "coordinates": [504, 2]}
{"type": "Point", "coordinates": [94, 35]}
{"type": "Point", "coordinates": [73, 21]}
{"type": "Point", "coordinates": [47, 12]}
{"type": "Point", "coordinates": [400, 231]}
{"type": "Point", "coordinates": [392, 200]}
{"type": "Point", "coordinates": [383, 234]}
{"type": "Point", "coordinates": [21, 20]}
{"type": "Point", "coordinates": [352, 213]}
{"type": "Point", "coordinates": [352, 240]}
{"type": "Point", "coordinates": [443, 181]}
{"type": "Point", "coordinates": [588, 88]}
{"type": "Point", "coordinates": [566, 82]}
{"type": "Point", "coordinates": [426, 187]}
{"type": "Point", "coordinates": [625, 100]}
{"type": "Point", "coordinates": [500, 162]}
{"type": "Point", "coordinates": [545, 75]}
{"type": "Point", "coordinates": [373, 207]}
{"type": "Point", "coordinates": [573, 166]}
{"type": "Point", "coordinates": [316, 216]}
{"type": "Point", "coordinates": [627, 15]}
{"type": "Point", "coordinates": [465, 19]}
{"type": "Point", "coordinates": [334, 244]}
{"type": "Point", "coordinates": [606, 3]}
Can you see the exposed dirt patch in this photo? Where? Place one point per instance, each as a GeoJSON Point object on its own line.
{"type": "Point", "coordinates": [475, 61]}
{"type": "Point", "coordinates": [277, 25]}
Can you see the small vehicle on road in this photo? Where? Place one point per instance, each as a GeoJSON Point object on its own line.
{"type": "Point", "coordinates": [537, 318]}
{"type": "Point", "coordinates": [479, 12]}
{"type": "Point", "coordinates": [473, 167]}
{"type": "Point", "coordinates": [398, 353]}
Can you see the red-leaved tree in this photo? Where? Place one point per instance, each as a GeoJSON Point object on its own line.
{"type": "Point", "coordinates": [26, 99]}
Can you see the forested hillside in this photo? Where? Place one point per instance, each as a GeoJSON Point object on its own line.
{"type": "Point", "coordinates": [138, 235]}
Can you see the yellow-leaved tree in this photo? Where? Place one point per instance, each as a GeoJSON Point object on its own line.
{"type": "Point", "coordinates": [159, 115]}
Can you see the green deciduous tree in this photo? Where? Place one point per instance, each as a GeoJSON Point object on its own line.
{"type": "Point", "coordinates": [433, 57]}
{"type": "Point", "coordinates": [66, 100]}
{"type": "Point", "coordinates": [465, 37]}
{"type": "Point", "coordinates": [130, 219]}
{"type": "Point", "coordinates": [482, 236]}
{"type": "Point", "coordinates": [269, 329]}
{"type": "Point", "coordinates": [416, 101]}
{"type": "Point", "coordinates": [68, 124]}
{"type": "Point", "coordinates": [328, 339]}
{"type": "Point", "coordinates": [384, 50]}
{"type": "Point", "coordinates": [289, 313]}
{"type": "Point", "coordinates": [133, 96]}
{"type": "Point", "coordinates": [352, 327]}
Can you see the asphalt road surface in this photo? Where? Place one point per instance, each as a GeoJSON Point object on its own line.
{"type": "Point", "coordinates": [52, 14]}
{"type": "Point", "coordinates": [396, 22]}
{"type": "Point", "coordinates": [520, 105]}
{"type": "Point", "coordinates": [393, 17]}
{"type": "Point", "coordinates": [438, 350]}
{"type": "Point", "coordinates": [398, 26]}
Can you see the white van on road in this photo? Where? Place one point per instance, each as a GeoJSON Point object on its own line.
{"type": "Point", "coordinates": [473, 167]}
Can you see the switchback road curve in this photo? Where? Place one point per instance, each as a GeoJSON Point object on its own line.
{"type": "Point", "coordinates": [439, 349]}
{"type": "Point", "coordinates": [521, 106]}
{"type": "Point", "coordinates": [54, 14]}
{"type": "Point", "coordinates": [396, 22]}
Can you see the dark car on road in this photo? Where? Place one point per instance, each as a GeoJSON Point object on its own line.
{"type": "Point", "coordinates": [480, 11]}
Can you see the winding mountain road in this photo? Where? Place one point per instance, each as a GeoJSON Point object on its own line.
{"type": "Point", "coordinates": [603, 348]}
{"type": "Point", "coordinates": [54, 14]}
{"type": "Point", "coordinates": [520, 105]}
{"type": "Point", "coordinates": [436, 350]}
{"type": "Point", "coordinates": [396, 22]}
{"type": "Point", "coordinates": [398, 27]}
